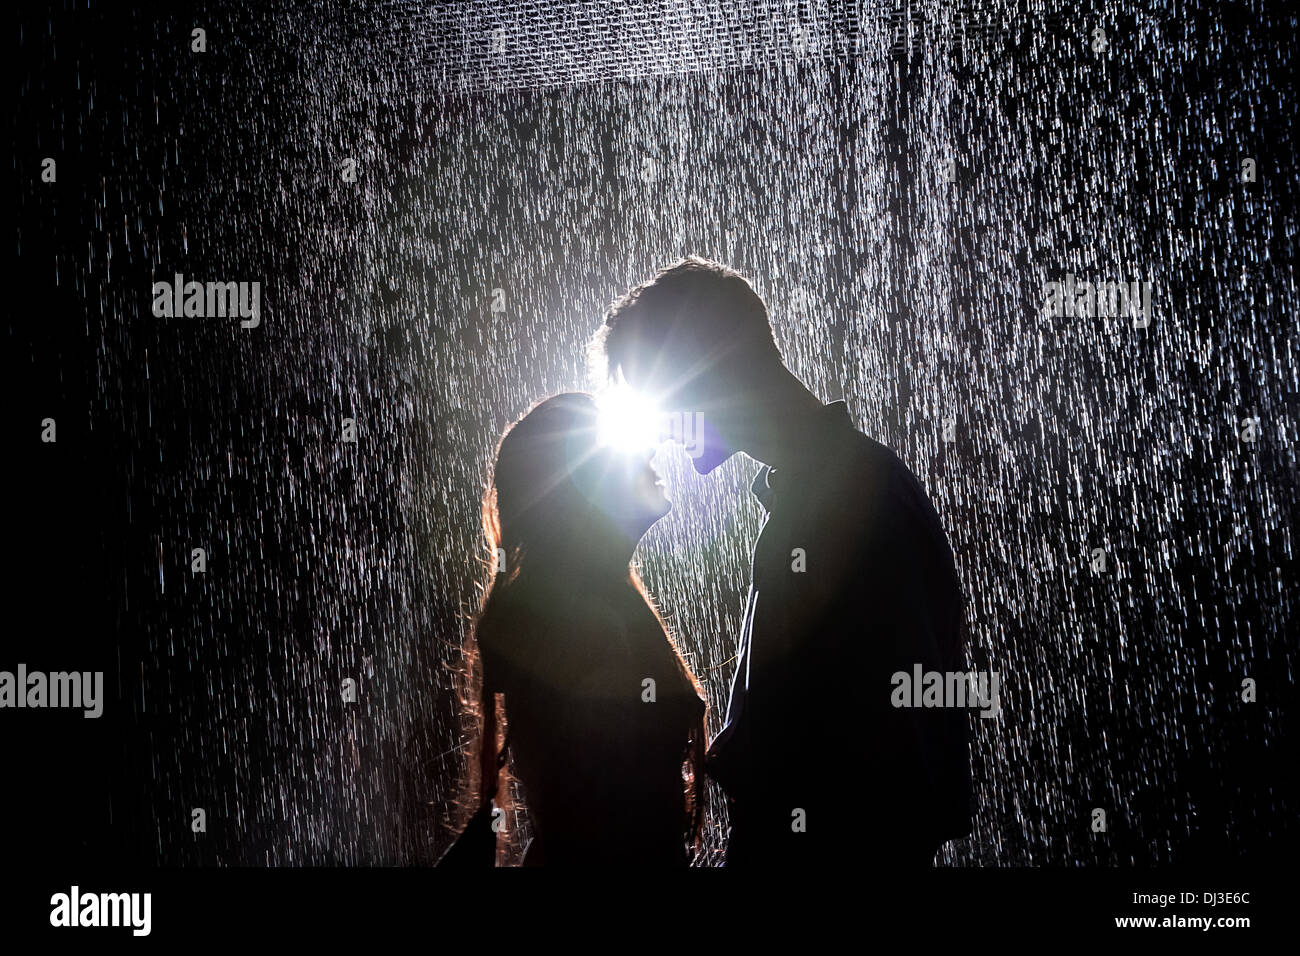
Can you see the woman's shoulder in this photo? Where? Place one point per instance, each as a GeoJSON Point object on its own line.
{"type": "Point", "coordinates": [571, 631]}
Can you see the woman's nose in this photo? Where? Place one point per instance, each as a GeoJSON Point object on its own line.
{"type": "Point", "coordinates": [640, 455]}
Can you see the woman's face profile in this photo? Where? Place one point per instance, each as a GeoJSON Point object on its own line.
{"type": "Point", "coordinates": [625, 486]}
{"type": "Point", "coordinates": [577, 480]}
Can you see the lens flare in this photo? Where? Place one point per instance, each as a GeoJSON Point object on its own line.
{"type": "Point", "coordinates": [629, 421]}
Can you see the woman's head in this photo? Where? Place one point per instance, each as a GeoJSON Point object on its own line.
{"type": "Point", "coordinates": [558, 493]}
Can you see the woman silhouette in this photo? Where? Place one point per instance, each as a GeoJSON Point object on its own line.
{"type": "Point", "coordinates": [604, 721]}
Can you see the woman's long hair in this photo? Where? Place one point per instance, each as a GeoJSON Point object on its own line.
{"type": "Point", "coordinates": [537, 516]}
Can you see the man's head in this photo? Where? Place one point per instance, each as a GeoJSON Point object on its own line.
{"type": "Point", "coordinates": [696, 337]}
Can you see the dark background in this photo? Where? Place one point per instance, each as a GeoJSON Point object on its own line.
{"type": "Point", "coordinates": [815, 175]}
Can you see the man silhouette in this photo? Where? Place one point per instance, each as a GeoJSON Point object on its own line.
{"type": "Point", "coordinates": [852, 581]}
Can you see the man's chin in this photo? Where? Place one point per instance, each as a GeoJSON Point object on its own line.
{"type": "Point", "coordinates": [708, 461]}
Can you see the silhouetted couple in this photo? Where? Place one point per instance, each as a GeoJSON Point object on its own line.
{"type": "Point", "coordinates": [852, 581]}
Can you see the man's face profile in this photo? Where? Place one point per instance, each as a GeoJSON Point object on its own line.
{"type": "Point", "coordinates": [688, 393]}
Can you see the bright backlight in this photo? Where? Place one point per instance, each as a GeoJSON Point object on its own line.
{"type": "Point", "coordinates": [628, 420]}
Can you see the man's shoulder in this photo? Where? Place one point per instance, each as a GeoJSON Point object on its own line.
{"type": "Point", "coordinates": [867, 472]}
{"type": "Point", "coordinates": [865, 489]}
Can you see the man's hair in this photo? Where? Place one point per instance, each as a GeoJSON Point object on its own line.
{"type": "Point", "coordinates": [694, 311]}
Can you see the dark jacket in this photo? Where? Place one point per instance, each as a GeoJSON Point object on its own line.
{"type": "Point", "coordinates": [601, 769]}
{"type": "Point", "coordinates": [852, 581]}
